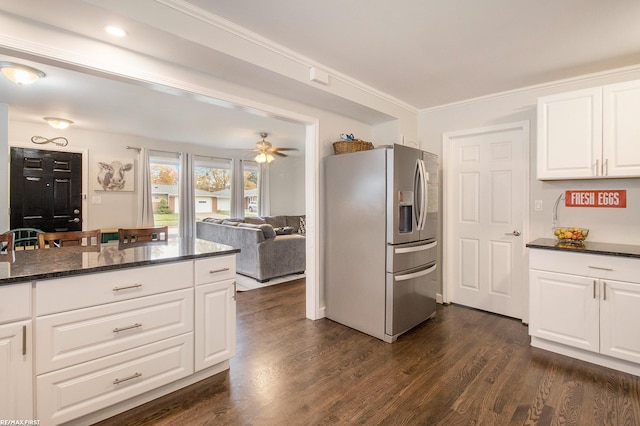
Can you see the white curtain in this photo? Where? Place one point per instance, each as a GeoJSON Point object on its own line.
{"type": "Point", "coordinates": [145, 212]}
{"type": "Point", "coordinates": [263, 190]}
{"type": "Point", "coordinates": [187, 195]}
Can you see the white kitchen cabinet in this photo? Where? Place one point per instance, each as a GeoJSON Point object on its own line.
{"type": "Point", "coordinates": [584, 301]}
{"type": "Point", "coordinates": [619, 319]}
{"type": "Point", "coordinates": [563, 309]}
{"type": "Point", "coordinates": [215, 311]}
{"type": "Point", "coordinates": [16, 352]}
{"type": "Point", "coordinates": [16, 399]}
{"type": "Point", "coordinates": [589, 133]}
{"type": "Point", "coordinates": [621, 129]}
{"type": "Point", "coordinates": [569, 134]}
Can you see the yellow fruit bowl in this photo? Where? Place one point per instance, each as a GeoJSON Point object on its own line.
{"type": "Point", "coordinates": [571, 235]}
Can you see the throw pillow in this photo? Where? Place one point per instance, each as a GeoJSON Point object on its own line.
{"type": "Point", "coordinates": [230, 223]}
{"type": "Point", "coordinates": [303, 226]}
{"type": "Point", "coordinates": [285, 230]}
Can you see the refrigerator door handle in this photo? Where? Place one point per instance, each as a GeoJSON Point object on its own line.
{"type": "Point", "coordinates": [414, 249]}
{"type": "Point", "coordinates": [420, 191]}
{"type": "Point", "coordinates": [415, 274]}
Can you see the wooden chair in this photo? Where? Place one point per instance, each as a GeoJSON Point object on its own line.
{"type": "Point", "coordinates": [6, 243]}
{"type": "Point", "coordinates": [7, 251]}
{"type": "Point", "coordinates": [69, 238]}
{"type": "Point", "coordinates": [24, 238]}
{"type": "Point", "coordinates": [143, 235]}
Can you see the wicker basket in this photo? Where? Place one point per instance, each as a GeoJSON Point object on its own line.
{"type": "Point", "coordinates": [343, 147]}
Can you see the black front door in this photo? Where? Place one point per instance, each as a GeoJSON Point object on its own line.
{"type": "Point", "coordinates": [46, 190]}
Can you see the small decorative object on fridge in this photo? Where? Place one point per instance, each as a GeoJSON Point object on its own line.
{"type": "Point", "coordinates": [349, 143]}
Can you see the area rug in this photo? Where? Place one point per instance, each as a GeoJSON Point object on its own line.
{"type": "Point", "coordinates": [244, 283]}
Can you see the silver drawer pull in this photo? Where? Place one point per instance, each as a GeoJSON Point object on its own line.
{"type": "Point", "coordinates": [599, 267]}
{"type": "Point", "coordinates": [118, 330]}
{"type": "Point", "coordinates": [134, 376]}
{"type": "Point", "coordinates": [215, 271]}
{"type": "Point", "coordinates": [129, 287]}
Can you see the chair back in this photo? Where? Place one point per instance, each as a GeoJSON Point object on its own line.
{"type": "Point", "coordinates": [6, 243]}
{"type": "Point", "coordinates": [141, 235]}
{"type": "Point", "coordinates": [69, 238]}
{"type": "Point", "coordinates": [24, 238]}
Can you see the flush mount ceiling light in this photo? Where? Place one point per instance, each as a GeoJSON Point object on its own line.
{"type": "Point", "coordinates": [58, 123]}
{"type": "Point", "coordinates": [20, 74]}
{"type": "Point", "coordinates": [115, 31]}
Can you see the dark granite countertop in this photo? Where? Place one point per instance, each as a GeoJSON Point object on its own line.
{"type": "Point", "coordinates": [623, 250]}
{"type": "Point", "coordinates": [30, 265]}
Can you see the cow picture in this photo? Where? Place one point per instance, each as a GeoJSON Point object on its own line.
{"type": "Point", "coordinates": [115, 176]}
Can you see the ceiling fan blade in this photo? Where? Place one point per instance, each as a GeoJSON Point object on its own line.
{"type": "Point", "coordinates": [279, 154]}
{"type": "Point", "coordinates": [286, 149]}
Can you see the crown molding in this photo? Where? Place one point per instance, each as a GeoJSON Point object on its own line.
{"type": "Point", "coordinates": [220, 23]}
{"type": "Point", "coordinates": [557, 83]}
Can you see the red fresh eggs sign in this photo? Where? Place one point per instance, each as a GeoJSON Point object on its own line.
{"type": "Point", "coordinates": [612, 198]}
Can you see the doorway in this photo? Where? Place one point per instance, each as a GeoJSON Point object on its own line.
{"type": "Point", "coordinates": [45, 190]}
{"type": "Point", "coordinates": [486, 200]}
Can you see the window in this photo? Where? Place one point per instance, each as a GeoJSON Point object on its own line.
{"type": "Point", "coordinates": [164, 169]}
{"type": "Point", "coordinates": [212, 180]}
{"type": "Point", "coordinates": [251, 188]}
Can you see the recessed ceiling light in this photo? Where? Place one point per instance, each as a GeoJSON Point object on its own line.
{"type": "Point", "coordinates": [58, 123]}
{"type": "Point", "coordinates": [20, 74]}
{"type": "Point", "coordinates": [115, 31]}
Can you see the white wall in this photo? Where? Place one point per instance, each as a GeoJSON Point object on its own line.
{"type": "Point", "coordinates": [4, 189]}
{"type": "Point", "coordinates": [286, 186]}
{"type": "Point", "coordinates": [606, 225]}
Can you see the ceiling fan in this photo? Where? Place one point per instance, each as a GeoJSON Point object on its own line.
{"type": "Point", "coordinates": [266, 151]}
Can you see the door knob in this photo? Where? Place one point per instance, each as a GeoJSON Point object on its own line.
{"type": "Point", "coordinates": [514, 233]}
{"type": "Point", "coordinates": [75, 220]}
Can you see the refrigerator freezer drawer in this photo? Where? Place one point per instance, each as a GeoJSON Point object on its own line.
{"type": "Point", "coordinates": [411, 299]}
{"type": "Point", "coordinates": [404, 257]}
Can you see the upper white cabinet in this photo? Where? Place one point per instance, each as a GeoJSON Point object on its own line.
{"type": "Point", "coordinates": [590, 133]}
{"type": "Point", "coordinates": [621, 129]}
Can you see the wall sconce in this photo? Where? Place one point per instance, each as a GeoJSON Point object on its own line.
{"type": "Point", "coordinates": [58, 123]}
{"type": "Point", "coordinates": [20, 74]}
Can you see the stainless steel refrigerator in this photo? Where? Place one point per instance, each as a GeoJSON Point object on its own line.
{"type": "Point", "coordinates": [381, 219]}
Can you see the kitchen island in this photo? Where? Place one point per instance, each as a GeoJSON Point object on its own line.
{"type": "Point", "coordinates": [87, 333]}
{"type": "Point", "coordinates": [584, 301]}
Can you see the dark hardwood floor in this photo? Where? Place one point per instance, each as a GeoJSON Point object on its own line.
{"type": "Point", "coordinates": [464, 367]}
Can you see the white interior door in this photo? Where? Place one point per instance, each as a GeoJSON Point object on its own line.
{"type": "Point", "coordinates": [486, 211]}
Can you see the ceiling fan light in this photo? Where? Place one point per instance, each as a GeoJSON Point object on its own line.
{"type": "Point", "coordinates": [270, 158]}
{"type": "Point", "coordinates": [20, 74]}
{"type": "Point", "coordinates": [261, 158]}
{"type": "Point", "coordinates": [58, 123]}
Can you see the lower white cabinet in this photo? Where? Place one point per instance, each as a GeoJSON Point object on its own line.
{"type": "Point", "coordinates": [620, 320]}
{"type": "Point", "coordinates": [143, 334]}
{"type": "Point", "coordinates": [16, 377]}
{"type": "Point", "coordinates": [576, 301]}
{"type": "Point", "coordinates": [215, 323]}
{"type": "Point", "coordinates": [72, 392]}
{"type": "Point", "coordinates": [16, 352]}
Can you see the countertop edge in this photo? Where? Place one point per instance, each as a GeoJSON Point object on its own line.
{"type": "Point", "coordinates": [107, 268]}
{"type": "Point", "coordinates": [603, 249]}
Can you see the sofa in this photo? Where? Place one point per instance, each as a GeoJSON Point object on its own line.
{"type": "Point", "coordinates": [270, 247]}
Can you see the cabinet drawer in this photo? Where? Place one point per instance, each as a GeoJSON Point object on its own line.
{"type": "Point", "coordinates": [584, 264]}
{"type": "Point", "coordinates": [70, 293]}
{"type": "Point", "coordinates": [215, 269]}
{"type": "Point", "coordinates": [73, 392]}
{"type": "Point", "coordinates": [16, 302]}
{"type": "Point", "coordinates": [85, 334]}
